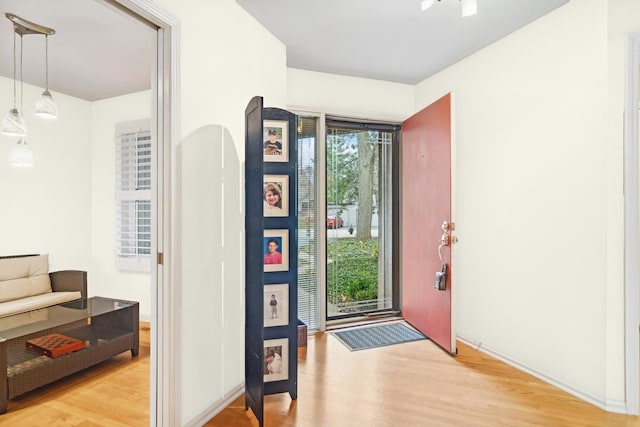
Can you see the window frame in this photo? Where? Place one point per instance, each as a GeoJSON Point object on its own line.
{"type": "Point", "coordinates": [138, 262]}
{"type": "Point", "coordinates": [392, 205]}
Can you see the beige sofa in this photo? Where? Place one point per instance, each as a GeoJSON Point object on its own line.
{"type": "Point", "coordinates": [26, 284]}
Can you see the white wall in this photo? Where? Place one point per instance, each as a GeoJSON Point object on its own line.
{"type": "Point", "coordinates": [47, 208]}
{"type": "Point", "coordinates": [348, 96]}
{"type": "Point", "coordinates": [226, 59]}
{"type": "Point", "coordinates": [105, 279]}
{"type": "Point", "coordinates": [538, 201]}
{"type": "Point", "coordinates": [624, 19]}
{"type": "Point", "coordinates": [211, 244]}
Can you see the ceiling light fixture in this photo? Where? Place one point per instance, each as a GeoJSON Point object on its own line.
{"type": "Point", "coordinates": [469, 7]}
{"type": "Point", "coordinates": [426, 4]}
{"type": "Point", "coordinates": [45, 107]}
{"type": "Point", "coordinates": [13, 124]}
{"type": "Point", "coordinates": [21, 154]}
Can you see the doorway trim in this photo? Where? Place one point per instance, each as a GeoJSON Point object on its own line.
{"type": "Point", "coordinates": [632, 226]}
{"type": "Point", "coordinates": [164, 378]}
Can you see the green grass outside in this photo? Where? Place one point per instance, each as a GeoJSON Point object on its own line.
{"type": "Point", "coordinates": [352, 270]}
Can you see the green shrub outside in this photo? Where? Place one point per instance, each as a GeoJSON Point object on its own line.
{"type": "Point", "coordinates": [352, 270]}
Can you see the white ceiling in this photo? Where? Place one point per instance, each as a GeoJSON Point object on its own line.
{"type": "Point", "coordinates": [391, 40]}
{"type": "Point", "coordinates": [99, 52]}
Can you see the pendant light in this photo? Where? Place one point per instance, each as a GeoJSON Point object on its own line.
{"type": "Point", "coordinates": [45, 107]}
{"type": "Point", "coordinates": [21, 154]}
{"type": "Point", "coordinates": [13, 124]}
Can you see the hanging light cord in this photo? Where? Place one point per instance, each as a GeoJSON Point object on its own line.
{"type": "Point", "coordinates": [21, 81]}
{"type": "Point", "coordinates": [46, 60]}
{"type": "Point", "coordinates": [14, 70]}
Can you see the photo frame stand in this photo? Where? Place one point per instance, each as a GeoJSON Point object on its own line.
{"type": "Point", "coordinates": [271, 255]}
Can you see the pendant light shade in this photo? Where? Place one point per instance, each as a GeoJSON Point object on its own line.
{"type": "Point", "coordinates": [21, 154]}
{"type": "Point", "coordinates": [13, 124]}
{"type": "Point", "coordinates": [45, 107]}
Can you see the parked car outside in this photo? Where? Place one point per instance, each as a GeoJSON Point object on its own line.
{"type": "Point", "coordinates": [334, 221]}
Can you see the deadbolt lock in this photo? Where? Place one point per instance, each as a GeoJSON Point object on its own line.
{"type": "Point", "coordinates": [447, 226]}
{"type": "Point", "coordinates": [447, 239]}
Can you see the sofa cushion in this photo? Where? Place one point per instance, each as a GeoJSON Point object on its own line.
{"type": "Point", "coordinates": [34, 302]}
{"type": "Point", "coordinates": [24, 277]}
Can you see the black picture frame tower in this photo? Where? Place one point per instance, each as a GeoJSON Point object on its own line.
{"type": "Point", "coordinates": [271, 352]}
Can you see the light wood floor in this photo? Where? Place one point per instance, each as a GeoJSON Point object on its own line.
{"type": "Point", "coordinates": [114, 393]}
{"type": "Point", "coordinates": [412, 385]}
{"type": "Point", "coordinates": [408, 385]}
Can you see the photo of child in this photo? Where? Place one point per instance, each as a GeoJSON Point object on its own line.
{"type": "Point", "coordinates": [276, 305]}
{"type": "Point", "coordinates": [275, 145]}
{"type": "Point", "coordinates": [276, 353]}
{"type": "Point", "coordinates": [275, 250]}
{"type": "Point", "coordinates": [275, 195]}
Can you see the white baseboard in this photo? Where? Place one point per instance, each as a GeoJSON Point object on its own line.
{"type": "Point", "coordinates": [617, 406]}
{"type": "Point", "coordinates": [217, 407]}
{"type": "Point", "coordinates": [609, 405]}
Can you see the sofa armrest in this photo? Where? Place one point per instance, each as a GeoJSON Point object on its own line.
{"type": "Point", "coordinates": [69, 280]}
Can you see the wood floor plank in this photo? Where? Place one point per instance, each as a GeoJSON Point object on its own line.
{"type": "Point", "coordinates": [415, 384]}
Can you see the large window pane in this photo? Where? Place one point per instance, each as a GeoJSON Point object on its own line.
{"type": "Point", "coordinates": [358, 220]}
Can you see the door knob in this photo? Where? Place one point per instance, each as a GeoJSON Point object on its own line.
{"type": "Point", "coordinates": [444, 239]}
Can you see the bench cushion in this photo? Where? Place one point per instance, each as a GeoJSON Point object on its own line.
{"type": "Point", "coordinates": [24, 277]}
{"type": "Point", "coordinates": [22, 305]}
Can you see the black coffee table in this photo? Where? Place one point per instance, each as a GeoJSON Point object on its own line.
{"type": "Point", "coordinates": [107, 326]}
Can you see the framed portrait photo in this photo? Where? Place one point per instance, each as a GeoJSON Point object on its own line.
{"type": "Point", "coordinates": [275, 146]}
{"type": "Point", "coordinates": [276, 250]}
{"type": "Point", "coordinates": [276, 305]}
{"type": "Point", "coordinates": [275, 195]}
{"type": "Point", "coordinates": [276, 360]}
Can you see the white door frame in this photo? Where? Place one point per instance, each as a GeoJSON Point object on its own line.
{"type": "Point", "coordinates": [165, 390]}
{"type": "Point", "coordinates": [632, 226]}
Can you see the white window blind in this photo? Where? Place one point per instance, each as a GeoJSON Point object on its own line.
{"type": "Point", "coordinates": [133, 195]}
{"type": "Point", "coordinates": [308, 289]}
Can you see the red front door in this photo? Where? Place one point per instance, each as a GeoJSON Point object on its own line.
{"type": "Point", "coordinates": [426, 203]}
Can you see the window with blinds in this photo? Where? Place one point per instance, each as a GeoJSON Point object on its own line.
{"type": "Point", "coordinates": [133, 195]}
{"type": "Point", "coordinates": [308, 297]}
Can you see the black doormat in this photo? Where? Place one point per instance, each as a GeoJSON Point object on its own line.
{"type": "Point", "coordinates": [377, 336]}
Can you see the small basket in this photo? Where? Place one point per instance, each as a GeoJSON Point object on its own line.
{"type": "Point", "coordinates": [302, 334]}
